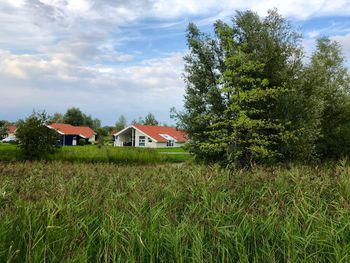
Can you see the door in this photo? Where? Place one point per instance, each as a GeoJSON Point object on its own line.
{"type": "Point", "coordinates": [74, 142]}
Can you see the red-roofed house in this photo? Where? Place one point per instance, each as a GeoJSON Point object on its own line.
{"type": "Point", "coordinates": [73, 135]}
{"type": "Point", "coordinates": [150, 136]}
{"type": "Point", "coordinates": [11, 131]}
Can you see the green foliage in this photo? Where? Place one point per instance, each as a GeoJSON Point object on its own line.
{"type": "Point", "coordinates": [150, 119]}
{"type": "Point", "coordinates": [100, 141]}
{"type": "Point", "coordinates": [57, 118]}
{"type": "Point", "coordinates": [96, 124]}
{"type": "Point", "coordinates": [3, 128]}
{"type": "Point", "coordinates": [102, 132]}
{"type": "Point", "coordinates": [249, 99]}
{"type": "Point", "coordinates": [121, 123]}
{"type": "Point", "coordinates": [106, 154]}
{"type": "Point", "coordinates": [36, 140]}
{"type": "Point", "coordinates": [63, 212]}
{"type": "Point", "coordinates": [138, 121]}
{"type": "Point", "coordinates": [76, 117]}
{"type": "Point", "coordinates": [330, 80]}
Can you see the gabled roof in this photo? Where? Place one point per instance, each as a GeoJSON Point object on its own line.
{"type": "Point", "coordinates": [157, 132]}
{"type": "Point", "coordinates": [11, 129]}
{"type": "Point", "coordinates": [68, 129]}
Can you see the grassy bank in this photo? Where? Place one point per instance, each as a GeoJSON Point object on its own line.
{"type": "Point", "coordinates": [172, 213]}
{"type": "Point", "coordinates": [106, 154]}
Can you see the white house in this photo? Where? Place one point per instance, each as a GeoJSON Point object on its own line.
{"type": "Point", "coordinates": [11, 131]}
{"type": "Point", "coordinates": [149, 136]}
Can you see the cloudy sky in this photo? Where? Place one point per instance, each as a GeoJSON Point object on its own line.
{"type": "Point", "coordinates": [112, 57]}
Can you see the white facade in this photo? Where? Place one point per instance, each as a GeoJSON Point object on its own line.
{"type": "Point", "coordinates": [11, 134]}
{"type": "Point", "coordinates": [133, 137]}
{"type": "Point", "coordinates": [92, 139]}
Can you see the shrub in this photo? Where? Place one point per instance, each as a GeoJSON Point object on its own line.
{"type": "Point", "coordinates": [36, 140]}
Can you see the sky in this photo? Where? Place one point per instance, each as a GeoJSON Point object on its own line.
{"type": "Point", "coordinates": [113, 57]}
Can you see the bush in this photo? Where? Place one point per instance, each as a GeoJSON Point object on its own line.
{"type": "Point", "coordinates": [36, 140]}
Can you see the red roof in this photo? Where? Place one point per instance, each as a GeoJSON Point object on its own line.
{"type": "Point", "coordinates": [11, 129]}
{"type": "Point", "coordinates": [156, 131]}
{"type": "Point", "coordinates": [68, 129]}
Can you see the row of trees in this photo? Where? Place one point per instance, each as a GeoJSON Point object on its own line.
{"type": "Point", "coordinates": [76, 117]}
{"type": "Point", "coordinates": [251, 98]}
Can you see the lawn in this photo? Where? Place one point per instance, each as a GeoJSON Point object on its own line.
{"type": "Point", "coordinates": [175, 150]}
{"type": "Point", "coordinates": [105, 154]}
{"type": "Point", "coordinates": [79, 212]}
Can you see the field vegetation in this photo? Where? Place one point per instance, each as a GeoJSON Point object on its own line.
{"type": "Point", "coordinates": [105, 154]}
{"type": "Point", "coordinates": [54, 212]}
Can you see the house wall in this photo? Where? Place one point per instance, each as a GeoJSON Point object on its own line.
{"type": "Point", "coordinates": [11, 134]}
{"type": "Point", "coordinates": [148, 144]}
{"type": "Point", "coordinates": [92, 139]}
{"type": "Point", "coordinates": [153, 144]}
{"type": "Point", "coordinates": [163, 145]}
{"type": "Point", "coordinates": [67, 140]}
{"type": "Point", "coordinates": [125, 137]}
{"type": "Point", "coordinates": [120, 139]}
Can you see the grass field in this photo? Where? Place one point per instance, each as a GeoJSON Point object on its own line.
{"type": "Point", "coordinates": [106, 154]}
{"type": "Point", "coordinates": [78, 212]}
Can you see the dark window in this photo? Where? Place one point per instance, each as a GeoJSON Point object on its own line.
{"type": "Point", "coordinates": [170, 143]}
{"type": "Point", "coordinates": [142, 140]}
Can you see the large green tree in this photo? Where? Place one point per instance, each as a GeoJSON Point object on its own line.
{"type": "Point", "coordinates": [246, 100]}
{"type": "Point", "coordinates": [76, 117]}
{"type": "Point", "coordinates": [329, 79]}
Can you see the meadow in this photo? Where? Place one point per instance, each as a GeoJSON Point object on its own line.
{"type": "Point", "coordinates": [104, 154]}
{"type": "Point", "coordinates": [80, 212]}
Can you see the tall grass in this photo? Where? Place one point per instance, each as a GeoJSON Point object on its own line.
{"type": "Point", "coordinates": [66, 212]}
{"type": "Point", "coordinates": [106, 154]}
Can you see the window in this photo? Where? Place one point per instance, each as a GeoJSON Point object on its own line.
{"type": "Point", "coordinates": [149, 139]}
{"type": "Point", "coordinates": [142, 140]}
{"type": "Point", "coordinates": [170, 143]}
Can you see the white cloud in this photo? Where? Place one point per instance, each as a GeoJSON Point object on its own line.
{"type": "Point", "coordinates": [152, 85]}
{"type": "Point", "coordinates": [344, 41]}
{"type": "Point", "coordinates": [60, 53]}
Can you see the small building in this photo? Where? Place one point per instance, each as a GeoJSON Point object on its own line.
{"type": "Point", "coordinates": [150, 136]}
{"type": "Point", "coordinates": [10, 135]}
{"type": "Point", "coordinates": [73, 135]}
{"type": "Point", "coordinates": [11, 131]}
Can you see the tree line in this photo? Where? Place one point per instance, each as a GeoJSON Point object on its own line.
{"type": "Point", "coordinates": [77, 117]}
{"type": "Point", "coordinates": [252, 99]}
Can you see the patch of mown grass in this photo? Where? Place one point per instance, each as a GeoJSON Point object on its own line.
{"type": "Point", "coordinates": [170, 149]}
{"type": "Point", "coordinates": [56, 212]}
{"type": "Point", "coordinates": [9, 152]}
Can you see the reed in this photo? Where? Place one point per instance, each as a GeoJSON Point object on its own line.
{"type": "Point", "coordinates": [79, 212]}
